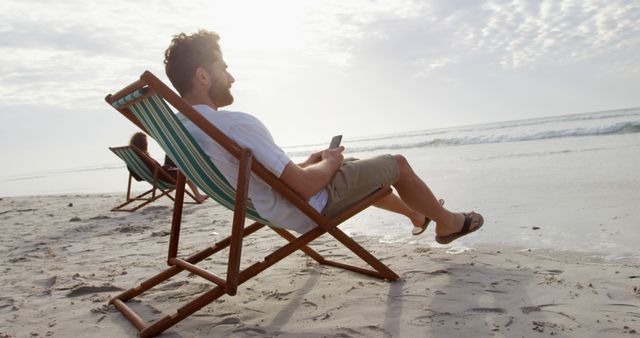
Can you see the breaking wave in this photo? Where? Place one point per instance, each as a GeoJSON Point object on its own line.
{"type": "Point", "coordinates": [617, 128]}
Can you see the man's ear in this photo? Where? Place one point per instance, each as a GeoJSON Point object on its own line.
{"type": "Point", "coordinates": [202, 77]}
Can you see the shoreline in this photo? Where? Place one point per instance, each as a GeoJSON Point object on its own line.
{"type": "Point", "coordinates": [425, 239]}
{"type": "Point", "coordinates": [67, 255]}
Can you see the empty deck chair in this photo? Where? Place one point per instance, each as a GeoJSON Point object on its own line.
{"type": "Point", "coordinates": [146, 103]}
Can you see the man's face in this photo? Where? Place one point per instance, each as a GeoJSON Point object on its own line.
{"type": "Point", "coordinates": [221, 80]}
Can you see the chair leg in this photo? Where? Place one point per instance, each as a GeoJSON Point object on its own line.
{"type": "Point", "coordinates": [195, 201]}
{"type": "Point", "coordinates": [129, 188]}
{"type": "Point", "coordinates": [177, 217]}
{"type": "Point", "coordinates": [363, 254]}
{"type": "Point", "coordinates": [381, 270]}
{"type": "Point", "coordinates": [141, 197]}
{"type": "Point", "coordinates": [237, 228]}
{"type": "Point", "coordinates": [306, 249]}
{"type": "Point", "coordinates": [131, 200]}
{"type": "Point", "coordinates": [182, 313]}
{"type": "Point", "coordinates": [174, 270]}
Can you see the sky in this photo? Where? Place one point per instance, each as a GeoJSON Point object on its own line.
{"type": "Point", "coordinates": [311, 69]}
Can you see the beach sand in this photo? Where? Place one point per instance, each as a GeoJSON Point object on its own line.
{"type": "Point", "coordinates": [65, 256]}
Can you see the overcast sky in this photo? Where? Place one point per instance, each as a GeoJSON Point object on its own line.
{"type": "Point", "coordinates": [312, 69]}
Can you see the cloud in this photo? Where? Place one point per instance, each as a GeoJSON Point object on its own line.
{"type": "Point", "coordinates": [338, 30]}
{"type": "Point", "coordinates": [539, 33]}
{"type": "Point", "coordinates": [509, 35]}
{"type": "Point", "coordinates": [73, 52]}
{"type": "Point", "coordinates": [68, 54]}
{"type": "Point", "coordinates": [427, 65]}
{"type": "Point", "coordinates": [63, 78]}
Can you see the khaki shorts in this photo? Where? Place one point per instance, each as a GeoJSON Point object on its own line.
{"type": "Point", "coordinates": [357, 179]}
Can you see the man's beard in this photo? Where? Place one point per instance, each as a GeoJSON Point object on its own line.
{"type": "Point", "coordinates": [220, 95]}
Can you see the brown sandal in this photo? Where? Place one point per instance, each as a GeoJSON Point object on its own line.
{"type": "Point", "coordinates": [466, 228]}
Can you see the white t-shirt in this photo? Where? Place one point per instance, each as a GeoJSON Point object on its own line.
{"type": "Point", "coordinates": [250, 133]}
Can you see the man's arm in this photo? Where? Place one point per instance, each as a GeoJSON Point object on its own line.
{"type": "Point", "coordinates": [310, 179]}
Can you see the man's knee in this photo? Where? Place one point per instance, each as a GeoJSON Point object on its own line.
{"type": "Point", "coordinates": [403, 165]}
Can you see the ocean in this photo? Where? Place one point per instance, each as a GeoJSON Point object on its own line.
{"type": "Point", "coordinates": [564, 183]}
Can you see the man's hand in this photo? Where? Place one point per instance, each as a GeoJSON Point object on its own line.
{"type": "Point", "coordinates": [310, 179]}
{"type": "Point", "coordinates": [334, 155]}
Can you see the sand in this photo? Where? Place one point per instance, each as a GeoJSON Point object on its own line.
{"type": "Point", "coordinates": [65, 256]}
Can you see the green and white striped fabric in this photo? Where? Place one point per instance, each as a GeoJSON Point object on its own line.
{"type": "Point", "coordinates": [162, 124]}
{"type": "Point", "coordinates": [132, 96]}
{"type": "Point", "coordinates": [136, 164]}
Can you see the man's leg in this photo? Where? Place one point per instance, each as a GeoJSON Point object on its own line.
{"type": "Point", "coordinates": [393, 203]}
{"type": "Point", "coordinates": [417, 196]}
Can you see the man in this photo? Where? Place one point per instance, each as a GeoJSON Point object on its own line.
{"type": "Point", "coordinates": [196, 68]}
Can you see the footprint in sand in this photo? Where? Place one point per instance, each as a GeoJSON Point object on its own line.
{"type": "Point", "coordinates": [8, 304]}
{"type": "Point", "coordinates": [364, 331]}
{"type": "Point", "coordinates": [488, 310]}
{"type": "Point", "coordinates": [154, 210]}
{"type": "Point", "coordinates": [85, 290]}
{"type": "Point", "coordinates": [250, 331]}
{"type": "Point", "coordinates": [309, 306]}
{"type": "Point", "coordinates": [130, 229]}
{"type": "Point", "coordinates": [99, 217]}
{"type": "Point", "coordinates": [431, 317]}
{"type": "Point", "coordinates": [229, 321]}
{"type": "Point", "coordinates": [47, 284]}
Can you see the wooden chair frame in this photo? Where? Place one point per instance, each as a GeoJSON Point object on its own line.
{"type": "Point", "coordinates": [234, 276]}
{"type": "Point", "coordinates": [158, 172]}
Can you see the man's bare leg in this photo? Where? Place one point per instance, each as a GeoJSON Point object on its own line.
{"type": "Point", "coordinates": [417, 196]}
{"type": "Point", "coordinates": [393, 203]}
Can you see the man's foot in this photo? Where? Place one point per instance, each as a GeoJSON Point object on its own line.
{"type": "Point", "coordinates": [417, 230]}
{"type": "Point", "coordinates": [472, 222]}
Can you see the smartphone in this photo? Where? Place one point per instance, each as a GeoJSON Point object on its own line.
{"type": "Point", "coordinates": [335, 142]}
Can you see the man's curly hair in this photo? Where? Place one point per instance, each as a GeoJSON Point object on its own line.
{"type": "Point", "coordinates": [188, 52]}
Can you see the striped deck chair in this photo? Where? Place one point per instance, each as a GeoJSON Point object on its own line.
{"type": "Point", "coordinates": [150, 171]}
{"type": "Point", "coordinates": [146, 103]}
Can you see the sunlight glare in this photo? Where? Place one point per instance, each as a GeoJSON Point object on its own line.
{"type": "Point", "coordinates": [262, 27]}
